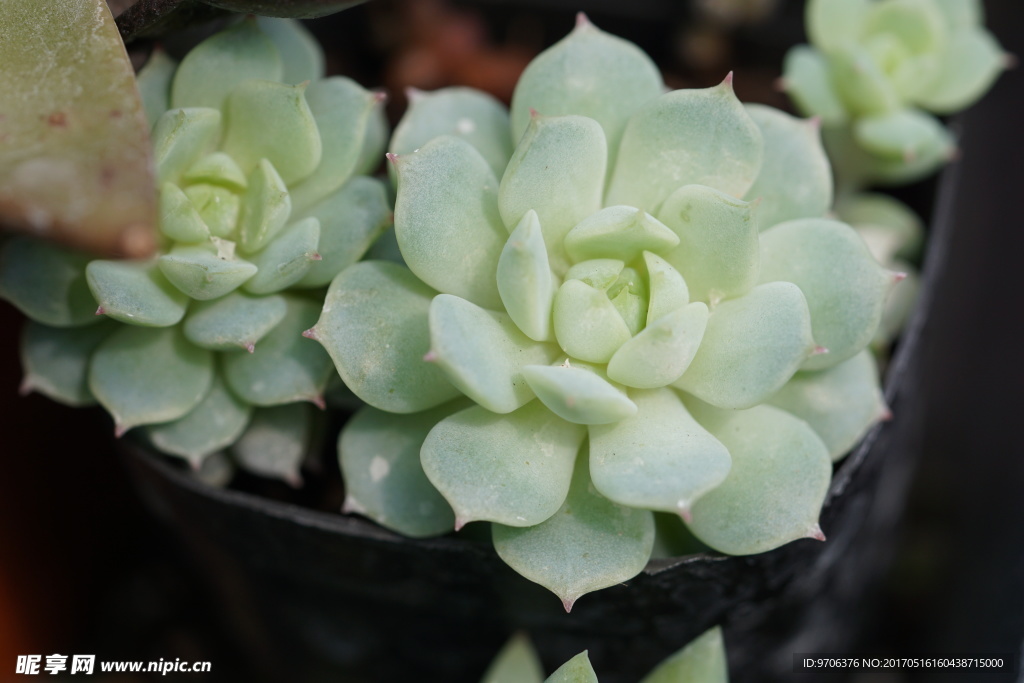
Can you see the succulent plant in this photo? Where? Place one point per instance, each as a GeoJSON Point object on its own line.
{"type": "Point", "coordinates": [701, 661]}
{"type": "Point", "coordinates": [262, 201]}
{"type": "Point", "coordinates": [607, 329]}
{"type": "Point", "coordinates": [877, 71]}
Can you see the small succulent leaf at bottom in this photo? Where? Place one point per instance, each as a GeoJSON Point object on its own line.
{"type": "Point", "coordinates": [215, 423]}
{"type": "Point", "coordinates": [588, 544]}
{"type": "Point", "coordinates": [525, 282]}
{"type": "Point", "coordinates": [576, 670]}
{"type": "Point", "coordinates": [154, 81]}
{"type": "Point", "coordinates": [684, 137]}
{"type": "Point", "coordinates": [578, 395]}
{"type": "Point", "coordinates": [621, 232]}
{"type": "Point", "coordinates": [286, 259]}
{"type": "Point", "coordinates": [659, 459]}
{"type": "Point", "coordinates": [807, 81]}
{"type": "Point", "coordinates": [341, 108]}
{"type": "Point", "coordinates": [265, 208]}
{"type": "Point", "coordinates": [447, 221]}
{"type": "Point", "coordinates": [301, 56]}
{"type": "Point", "coordinates": [587, 324]}
{"type": "Point", "coordinates": [701, 661]}
{"type": "Point", "coordinates": [795, 179]}
{"type": "Point", "coordinates": [668, 290]}
{"type": "Point", "coordinates": [144, 375]}
{"type": "Point", "coordinates": [46, 283]}
{"type": "Point", "coordinates": [517, 662]}
{"type": "Point", "coordinates": [276, 441]}
{"type": "Point", "coordinates": [839, 403]}
{"type": "Point", "coordinates": [718, 247]}
{"type": "Point", "coordinates": [379, 454]}
{"type": "Point", "coordinates": [375, 326]}
{"type": "Point", "coordinates": [216, 470]}
{"type": "Point", "coordinates": [901, 134]}
{"type": "Point", "coordinates": [285, 367]}
{"type": "Point", "coordinates": [774, 492]}
{"type": "Point", "coordinates": [201, 272]}
{"type": "Point", "coordinates": [236, 321]}
{"type": "Point", "coordinates": [513, 469]}
{"type": "Point", "coordinates": [590, 73]}
{"type": "Point", "coordinates": [470, 114]}
{"type": "Point", "coordinates": [179, 218]}
{"type": "Point", "coordinates": [214, 67]}
{"type": "Point", "coordinates": [351, 220]}
{"type": "Point", "coordinates": [557, 170]}
{"type": "Point", "coordinates": [483, 352]}
{"type": "Point", "coordinates": [968, 66]}
{"type": "Point", "coordinates": [833, 24]}
{"type": "Point", "coordinates": [270, 120]}
{"type": "Point", "coordinates": [135, 292]}
{"type": "Point", "coordinates": [751, 347]}
{"type": "Point", "coordinates": [181, 137]}
{"type": "Point", "coordinates": [844, 285]}
{"type": "Point", "coordinates": [662, 352]}
{"type": "Point", "coordinates": [56, 360]}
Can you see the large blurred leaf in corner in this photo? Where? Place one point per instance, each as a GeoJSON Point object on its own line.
{"type": "Point", "coordinates": [75, 157]}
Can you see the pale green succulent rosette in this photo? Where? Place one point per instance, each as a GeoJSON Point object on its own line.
{"type": "Point", "coordinates": [263, 200]}
{"type": "Point", "coordinates": [618, 308]}
{"type": "Point", "coordinates": [878, 71]}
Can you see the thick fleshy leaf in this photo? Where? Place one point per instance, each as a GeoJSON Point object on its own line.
{"type": "Point", "coordinates": [276, 441]}
{"type": "Point", "coordinates": [701, 661]}
{"type": "Point", "coordinates": [215, 423]}
{"type": "Point", "coordinates": [525, 283]}
{"type": "Point", "coordinates": [143, 375]}
{"type": "Point", "coordinates": [590, 73]}
{"type": "Point", "coordinates": [621, 232]}
{"type": "Point", "coordinates": [379, 455]}
{"type": "Point", "coordinates": [483, 353]}
{"type": "Point", "coordinates": [371, 154]}
{"type": "Point", "coordinates": [961, 13]}
{"type": "Point", "coordinates": [662, 352]}
{"type": "Point", "coordinates": [587, 324]}
{"type": "Point", "coordinates": [578, 395]}
{"type": "Point", "coordinates": [216, 470]}
{"type": "Point", "coordinates": [217, 169]}
{"type": "Point", "coordinates": [806, 79]}
{"type": "Point", "coordinates": [218, 207]}
{"type": "Point", "coordinates": [888, 226]}
{"type": "Point", "coordinates": [660, 459]}
{"type": "Point", "coordinates": [861, 84]}
{"type": "Point", "coordinates": [181, 137]}
{"type": "Point", "coordinates": [795, 179]}
{"type": "Point", "coordinates": [775, 489]}
{"type": "Point", "coordinates": [56, 360]}
{"type": "Point", "coordinates": [351, 220]}
{"type": "Point", "coordinates": [840, 403]}
{"type": "Point", "coordinates": [135, 293]}
{"type": "Point", "coordinates": [301, 56]}
{"type": "Point", "coordinates": [46, 283]}
{"type": "Point", "coordinates": [374, 325]}
{"type": "Point", "coordinates": [844, 285]}
{"type": "Point", "coordinates": [341, 109]}
{"type": "Point", "coordinates": [513, 469]}
{"type": "Point", "coordinates": [287, 258]}
{"type": "Point", "coordinates": [751, 347]}
{"type": "Point", "coordinates": [75, 161]}
{"type": "Point", "coordinates": [447, 222]}
{"type": "Point", "coordinates": [902, 134]}
{"type": "Point", "coordinates": [668, 290]}
{"type": "Point", "coordinates": [220, 63]}
{"type": "Point", "coordinates": [236, 321]}
{"type": "Point", "coordinates": [718, 246]}
{"type": "Point", "coordinates": [179, 218]}
{"type": "Point", "coordinates": [967, 67]}
{"type": "Point", "coordinates": [557, 170]}
{"type": "Point", "coordinates": [576, 670]}
{"type": "Point", "coordinates": [683, 137]}
{"type": "Point", "coordinates": [285, 367]}
{"type": "Point", "coordinates": [470, 114]}
{"type": "Point", "coordinates": [588, 544]}
{"type": "Point", "coordinates": [918, 24]}
{"type": "Point", "coordinates": [269, 120]}
{"type": "Point", "coordinates": [516, 663]}
{"type": "Point", "coordinates": [202, 273]}
{"type": "Point", "coordinates": [833, 24]}
{"type": "Point", "coordinates": [154, 81]}
{"type": "Point", "coordinates": [265, 208]}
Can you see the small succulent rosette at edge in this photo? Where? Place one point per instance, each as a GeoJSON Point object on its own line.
{"type": "Point", "coordinates": [638, 307]}
{"type": "Point", "coordinates": [878, 71]}
{"type": "Point", "coordinates": [263, 199]}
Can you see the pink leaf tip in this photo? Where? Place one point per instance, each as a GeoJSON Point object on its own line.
{"type": "Point", "coordinates": [684, 511]}
{"type": "Point", "coordinates": [582, 20]}
{"type": "Point", "coordinates": [119, 430]}
{"type": "Point", "coordinates": [885, 414]}
{"type": "Point", "coordinates": [318, 401]}
{"type": "Point", "coordinates": [727, 81]}
{"type": "Point", "coordinates": [392, 157]}
{"type": "Point", "coordinates": [567, 603]}
{"type": "Point", "coordinates": [816, 533]}
{"type": "Point", "coordinates": [898, 276]}
{"type": "Point", "coordinates": [379, 96]}
{"type": "Point", "coordinates": [25, 388]}
{"type": "Point", "coordinates": [818, 350]}
{"type": "Point", "coordinates": [460, 522]}
{"type": "Point", "coordinates": [100, 311]}
{"type": "Point", "coordinates": [315, 256]}
{"type": "Point", "coordinates": [814, 123]}
{"type": "Point", "coordinates": [1010, 61]}
{"type": "Point", "coordinates": [251, 348]}
{"type": "Point", "coordinates": [534, 113]}
{"type": "Point", "coordinates": [430, 356]}
{"type": "Point", "coordinates": [311, 333]}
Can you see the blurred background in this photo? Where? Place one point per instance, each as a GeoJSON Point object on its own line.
{"type": "Point", "coordinates": [85, 569]}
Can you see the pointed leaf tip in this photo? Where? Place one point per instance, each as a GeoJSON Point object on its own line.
{"type": "Point", "coordinates": [684, 511]}
{"type": "Point", "coordinates": [819, 351]}
{"type": "Point", "coordinates": [885, 414]}
{"type": "Point", "coordinates": [319, 402]}
{"type": "Point", "coordinates": [727, 81]}
{"type": "Point", "coordinates": [460, 522]}
{"type": "Point", "coordinates": [1010, 61]}
{"type": "Point", "coordinates": [381, 96]}
{"type": "Point", "coordinates": [119, 430]}
{"type": "Point", "coordinates": [101, 311]}
{"type": "Point", "coordinates": [816, 533]}
{"type": "Point", "coordinates": [392, 157]}
{"type": "Point", "coordinates": [251, 348]}
{"type": "Point", "coordinates": [315, 256]}
{"type": "Point", "coordinates": [430, 356]}
{"type": "Point", "coordinates": [583, 21]}
{"type": "Point", "coordinates": [25, 388]}
{"type": "Point", "coordinates": [414, 95]}
{"type": "Point", "coordinates": [567, 603]}
{"type": "Point", "coordinates": [898, 276]}
{"type": "Point", "coordinates": [311, 333]}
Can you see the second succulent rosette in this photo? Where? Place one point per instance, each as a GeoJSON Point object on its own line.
{"type": "Point", "coordinates": [614, 301]}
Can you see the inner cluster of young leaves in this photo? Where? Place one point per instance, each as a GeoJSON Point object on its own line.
{"type": "Point", "coordinates": [647, 312]}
